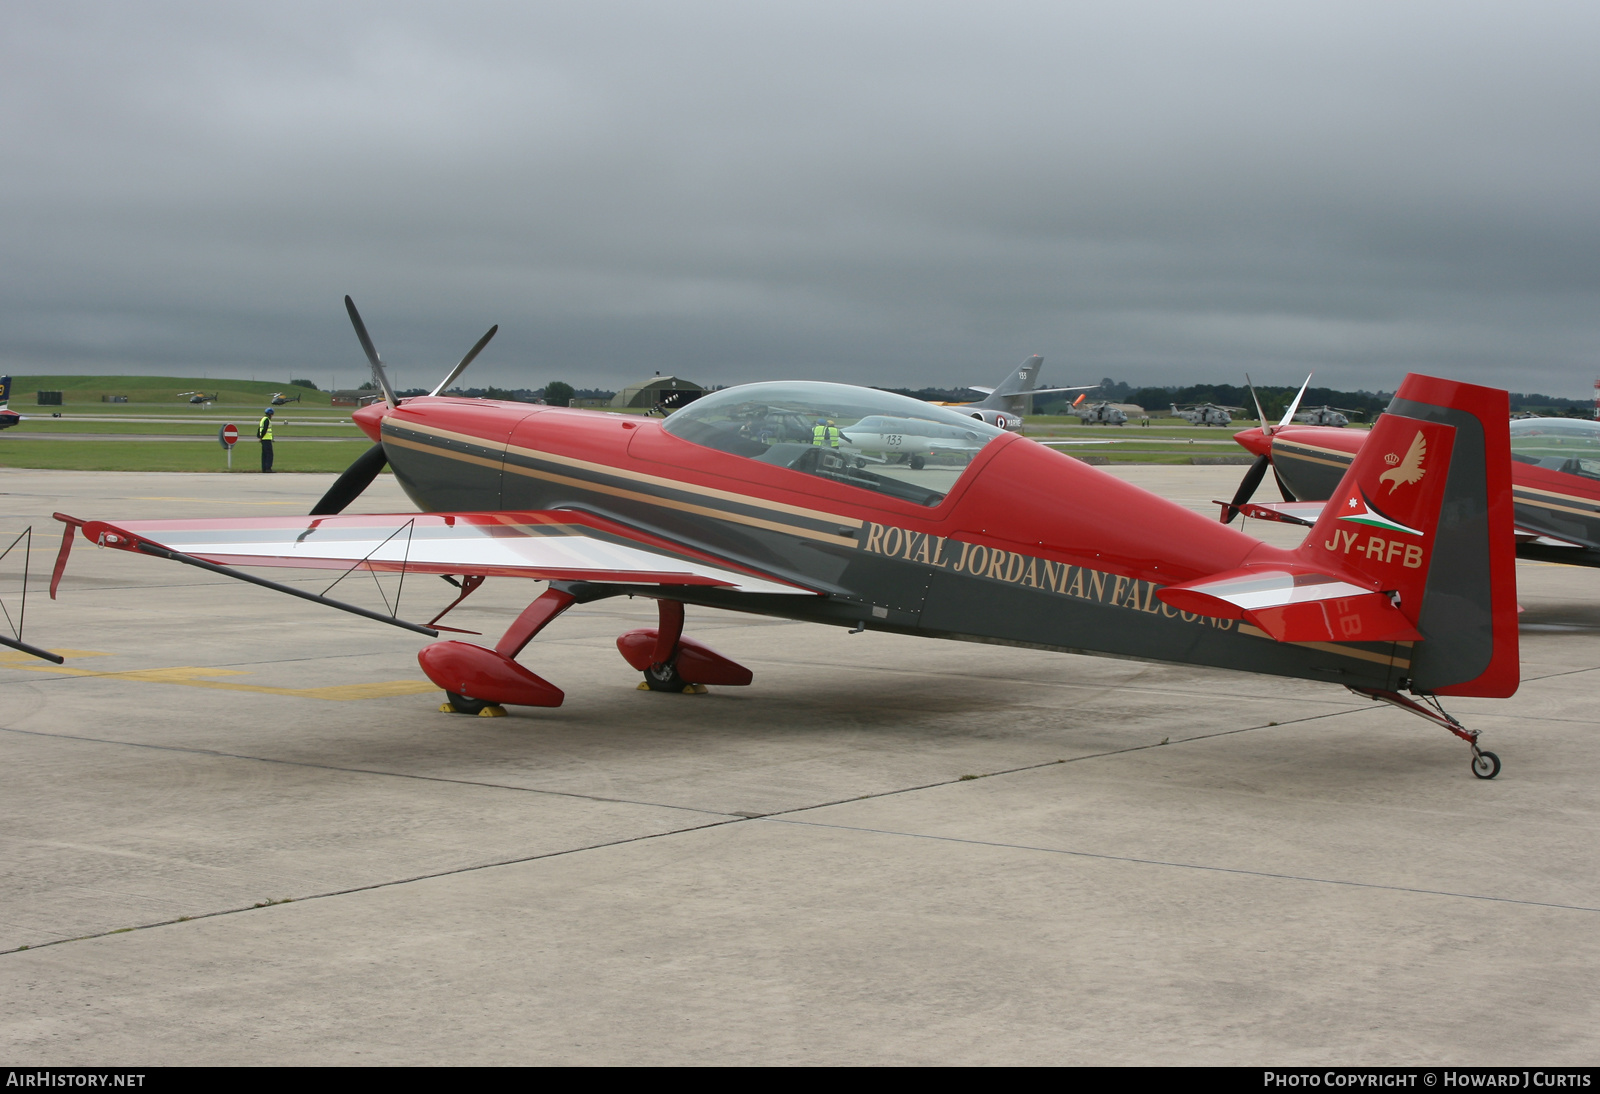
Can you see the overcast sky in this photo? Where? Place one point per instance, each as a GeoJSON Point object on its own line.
{"type": "Point", "coordinates": [883, 193]}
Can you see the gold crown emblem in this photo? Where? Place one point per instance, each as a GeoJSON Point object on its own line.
{"type": "Point", "coordinates": [1392, 458]}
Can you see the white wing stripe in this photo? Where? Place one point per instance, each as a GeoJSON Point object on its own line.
{"type": "Point", "coordinates": [534, 553]}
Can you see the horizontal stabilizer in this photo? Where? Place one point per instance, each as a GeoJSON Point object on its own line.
{"type": "Point", "coordinates": [1545, 539]}
{"type": "Point", "coordinates": [1285, 512]}
{"type": "Point", "coordinates": [1298, 605]}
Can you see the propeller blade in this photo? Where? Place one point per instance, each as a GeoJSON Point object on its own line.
{"type": "Point", "coordinates": [444, 384]}
{"type": "Point", "coordinates": [1288, 415]}
{"type": "Point", "coordinates": [1283, 488]}
{"type": "Point", "coordinates": [1261, 417]}
{"type": "Point", "coordinates": [356, 478]}
{"type": "Point", "coordinates": [1247, 487]}
{"type": "Point", "coordinates": [372, 356]}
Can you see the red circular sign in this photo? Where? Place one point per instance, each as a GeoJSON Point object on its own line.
{"type": "Point", "coordinates": [230, 435]}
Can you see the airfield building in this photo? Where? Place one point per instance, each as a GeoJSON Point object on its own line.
{"type": "Point", "coordinates": [671, 391]}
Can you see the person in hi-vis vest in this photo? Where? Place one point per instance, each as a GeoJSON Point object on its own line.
{"type": "Point", "coordinates": [825, 434]}
{"type": "Point", "coordinates": [264, 434]}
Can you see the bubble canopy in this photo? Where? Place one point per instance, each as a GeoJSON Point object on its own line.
{"type": "Point", "coordinates": [873, 440]}
{"type": "Point", "coordinates": [1569, 445]}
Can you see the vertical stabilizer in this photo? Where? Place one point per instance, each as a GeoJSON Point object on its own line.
{"type": "Point", "coordinates": [1425, 511]}
{"type": "Point", "coordinates": [1012, 393]}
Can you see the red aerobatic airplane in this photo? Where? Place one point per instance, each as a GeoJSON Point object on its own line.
{"type": "Point", "coordinates": [732, 503]}
{"type": "Point", "coordinates": [1555, 480]}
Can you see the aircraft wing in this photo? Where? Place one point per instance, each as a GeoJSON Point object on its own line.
{"type": "Point", "coordinates": [550, 545]}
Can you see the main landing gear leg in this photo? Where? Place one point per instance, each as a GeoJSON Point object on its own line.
{"type": "Point", "coordinates": [1485, 765]}
{"type": "Point", "coordinates": [671, 662]}
{"type": "Point", "coordinates": [477, 680]}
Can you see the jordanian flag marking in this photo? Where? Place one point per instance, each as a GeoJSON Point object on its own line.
{"type": "Point", "coordinates": [1358, 510]}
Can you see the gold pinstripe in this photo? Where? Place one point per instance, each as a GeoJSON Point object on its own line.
{"type": "Point", "coordinates": [1520, 494]}
{"type": "Point", "coordinates": [1333, 647]}
{"type": "Point", "coordinates": [464, 457]}
{"type": "Point", "coordinates": [1298, 452]}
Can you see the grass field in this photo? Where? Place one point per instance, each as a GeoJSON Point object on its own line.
{"type": "Point", "coordinates": [83, 392]}
{"type": "Point", "coordinates": [108, 455]}
{"type": "Point", "coordinates": [285, 427]}
{"type": "Point", "coordinates": [155, 408]}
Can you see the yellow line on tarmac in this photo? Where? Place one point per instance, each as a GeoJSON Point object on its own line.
{"type": "Point", "coordinates": [194, 676]}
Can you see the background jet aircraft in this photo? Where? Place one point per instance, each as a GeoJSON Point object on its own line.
{"type": "Point", "coordinates": [1005, 405]}
{"type": "Point", "coordinates": [912, 440]}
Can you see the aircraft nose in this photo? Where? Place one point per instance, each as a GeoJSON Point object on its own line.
{"type": "Point", "coordinates": [1255, 440]}
{"type": "Point", "coordinates": [370, 419]}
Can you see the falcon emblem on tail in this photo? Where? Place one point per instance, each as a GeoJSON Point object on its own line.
{"type": "Point", "coordinates": [1410, 469]}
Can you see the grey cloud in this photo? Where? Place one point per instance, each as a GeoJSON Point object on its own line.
{"type": "Point", "coordinates": [889, 193]}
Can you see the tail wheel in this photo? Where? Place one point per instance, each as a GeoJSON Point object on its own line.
{"type": "Point", "coordinates": [665, 677]}
{"type": "Point", "coordinates": [1485, 765]}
